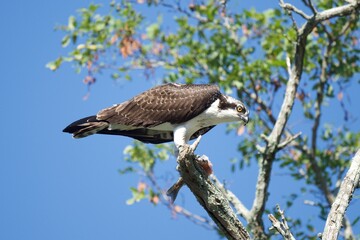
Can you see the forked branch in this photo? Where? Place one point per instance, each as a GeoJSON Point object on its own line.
{"type": "Point", "coordinates": [281, 226]}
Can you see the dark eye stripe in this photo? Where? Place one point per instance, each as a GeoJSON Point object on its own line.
{"type": "Point", "coordinates": [224, 104]}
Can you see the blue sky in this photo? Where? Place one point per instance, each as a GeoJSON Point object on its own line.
{"type": "Point", "coordinates": [55, 187]}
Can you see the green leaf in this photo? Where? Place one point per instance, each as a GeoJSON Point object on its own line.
{"type": "Point", "coordinates": [330, 91]}
{"type": "Point", "coordinates": [93, 7]}
{"type": "Point", "coordinates": [65, 41]}
{"type": "Point", "coordinates": [356, 220]}
{"type": "Point", "coordinates": [153, 30]}
{"type": "Point", "coordinates": [55, 64]}
{"type": "Point", "coordinates": [72, 24]}
{"type": "Point", "coordinates": [115, 76]}
{"type": "Point", "coordinates": [137, 196]}
{"type": "Point", "coordinates": [126, 170]}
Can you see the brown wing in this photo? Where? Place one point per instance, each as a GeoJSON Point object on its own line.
{"type": "Point", "coordinates": [172, 103]}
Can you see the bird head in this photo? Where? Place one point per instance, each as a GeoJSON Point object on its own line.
{"type": "Point", "coordinates": [233, 109]}
{"type": "Point", "coordinates": [242, 112]}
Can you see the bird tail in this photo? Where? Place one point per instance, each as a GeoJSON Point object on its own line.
{"type": "Point", "coordinates": [85, 127]}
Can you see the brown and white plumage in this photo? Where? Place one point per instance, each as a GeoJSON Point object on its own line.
{"type": "Point", "coordinates": [170, 112]}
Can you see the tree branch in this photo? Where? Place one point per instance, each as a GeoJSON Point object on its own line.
{"type": "Point", "coordinates": [176, 209]}
{"type": "Point", "coordinates": [310, 4]}
{"type": "Point", "coordinates": [282, 227]}
{"type": "Point", "coordinates": [320, 97]}
{"type": "Point", "coordinates": [198, 220]}
{"type": "Point", "coordinates": [290, 8]}
{"type": "Point", "coordinates": [265, 164]}
{"type": "Point", "coordinates": [234, 201]}
{"type": "Point", "coordinates": [288, 141]}
{"type": "Point", "coordinates": [336, 215]}
{"type": "Point", "coordinates": [319, 178]}
{"type": "Point", "coordinates": [209, 196]}
{"type": "Point", "coordinates": [337, 11]}
{"type": "Point", "coordinates": [318, 17]}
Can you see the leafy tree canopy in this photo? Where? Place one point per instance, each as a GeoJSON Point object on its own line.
{"type": "Point", "coordinates": [248, 54]}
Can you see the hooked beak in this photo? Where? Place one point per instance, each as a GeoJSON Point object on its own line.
{"type": "Point", "coordinates": [244, 118]}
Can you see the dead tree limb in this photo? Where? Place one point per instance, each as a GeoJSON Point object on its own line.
{"type": "Point", "coordinates": [281, 226]}
{"type": "Point", "coordinates": [210, 197]}
{"type": "Point", "coordinates": [342, 200]}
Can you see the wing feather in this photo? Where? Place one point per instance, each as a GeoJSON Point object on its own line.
{"type": "Point", "coordinates": [172, 103]}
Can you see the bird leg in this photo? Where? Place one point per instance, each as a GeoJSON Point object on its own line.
{"type": "Point", "coordinates": [205, 166]}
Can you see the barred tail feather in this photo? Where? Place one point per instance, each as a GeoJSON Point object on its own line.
{"type": "Point", "coordinates": [86, 127]}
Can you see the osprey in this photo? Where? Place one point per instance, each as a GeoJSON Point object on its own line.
{"type": "Point", "coordinates": [170, 112]}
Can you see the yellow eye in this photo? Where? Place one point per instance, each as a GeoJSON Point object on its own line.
{"type": "Point", "coordinates": [239, 108]}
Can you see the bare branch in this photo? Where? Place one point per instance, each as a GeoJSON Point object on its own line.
{"type": "Point", "coordinates": [235, 202]}
{"type": "Point", "coordinates": [282, 227]}
{"type": "Point", "coordinates": [318, 17]}
{"type": "Point", "coordinates": [201, 221]}
{"type": "Point", "coordinates": [265, 164]}
{"type": "Point", "coordinates": [223, 7]}
{"type": "Point", "coordinates": [260, 148]}
{"type": "Point", "coordinates": [291, 8]}
{"type": "Point", "coordinates": [288, 141]}
{"type": "Point", "coordinates": [264, 137]}
{"type": "Point", "coordinates": [209, 196]}
{"type": "Point", "coordinates": [319, 179]}
{"type": "Point", "coordinates": [336, 215]}
{"type": "Point", "coordinates": [177, 7]}
{"type": "Point", "coordinates": [176, 209]}
{"type": "Point", "coordinates": [312, 7]}
{"type": "Point", "coordinates": [324, 188]}
{"type": "Point", "coordinates": [344, 28]}
{"type": "Point", "coordinates": [320, 96]}
{"type": "Point", "coordinates": [261, 103]}
{"type": "Point", "coordinates": [310, 4]}
{"type": "Point", "coordinates": [288, 64]}
{"type": "Point", "coordinates": [338, 11]}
